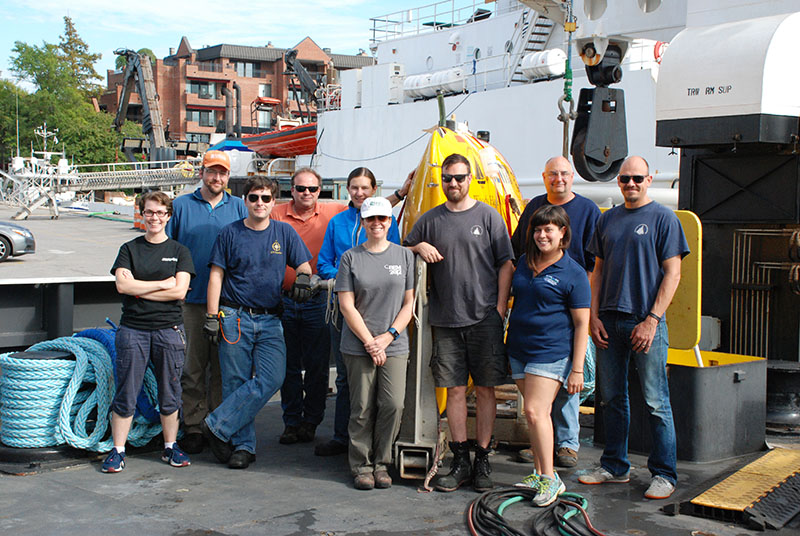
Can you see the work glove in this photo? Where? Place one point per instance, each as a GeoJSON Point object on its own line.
{"type": "Point", "coordinates": [304, 288]}
{"type": "Point", "coordinates": [211, 328]}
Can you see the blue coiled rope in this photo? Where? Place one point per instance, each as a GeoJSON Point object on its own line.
{"type": "Point", "coordinates": [53, 402]}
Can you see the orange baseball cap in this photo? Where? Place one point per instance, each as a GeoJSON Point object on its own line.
{"type": "Point", "coordinates": [217, 158]}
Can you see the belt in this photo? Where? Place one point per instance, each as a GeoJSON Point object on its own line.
{"type": "Point", "coordinates": [277, 310]}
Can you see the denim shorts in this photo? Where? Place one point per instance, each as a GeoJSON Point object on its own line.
{"type": "Point", "coordinates": [557, 370]}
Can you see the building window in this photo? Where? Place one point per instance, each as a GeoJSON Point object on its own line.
{"type": "Point", "coordinates": [202, 138]}
{"type": "Point", "coordinates": [204, 118]}
{"type": "Point", "coordinates": [205, 90]}
{"type": "Point", "coordinates": [264, 90]}
{"type": "Point", "coordinates": [248, 69]}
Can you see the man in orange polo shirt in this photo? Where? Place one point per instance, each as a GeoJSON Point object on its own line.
{"type": "Point", "coordinates": [308, 343]}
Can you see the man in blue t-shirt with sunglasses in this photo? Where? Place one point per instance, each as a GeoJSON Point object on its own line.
{"type": "Point", "coordinates": [638, 248]}
{"type": "Point", "coordinates": [244, 306]}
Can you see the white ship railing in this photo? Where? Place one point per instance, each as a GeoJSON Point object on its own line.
{"type": "Point", "coordinates": [428, 18]}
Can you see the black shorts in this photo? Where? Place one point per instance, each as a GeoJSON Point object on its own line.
{"type": "Point", "coordinates": [476, 351]}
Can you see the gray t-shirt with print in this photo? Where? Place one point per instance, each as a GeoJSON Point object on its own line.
{"type": "Point", "coordinates": [474, 244]}
{"type": "Point", "coordinates": [379, 282]}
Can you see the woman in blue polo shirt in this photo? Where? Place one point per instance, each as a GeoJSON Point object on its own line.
{"type": "Point", "coordinates": [547, 336]}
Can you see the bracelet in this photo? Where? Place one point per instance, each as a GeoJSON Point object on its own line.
{"type": "Point", "coordinates": [577, 372]}
{"type": "Point", "coordinates": [400, 197]}
{"type": "Point", "coordinates": [652, 314]}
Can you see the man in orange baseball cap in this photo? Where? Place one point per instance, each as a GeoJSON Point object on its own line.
{"type": "Point", "coordinates": [196, 220]}
{"type": "Point", "coordinates": [217, 158]}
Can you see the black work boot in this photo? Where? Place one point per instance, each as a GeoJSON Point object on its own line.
{"type": "Point", "coordinates": [460, 469]}
{"type": "Point", "coordinates": [481, 481]}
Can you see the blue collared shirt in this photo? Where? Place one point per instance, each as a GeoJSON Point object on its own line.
{"type": "Point", "coordinates": [195, 224]}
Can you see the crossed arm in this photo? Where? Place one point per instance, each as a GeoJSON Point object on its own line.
{"type": "Point", "coordinates": [169, 289]}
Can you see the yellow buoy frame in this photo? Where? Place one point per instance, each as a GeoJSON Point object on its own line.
{"type": "Point", "coordinates": [493, 183]}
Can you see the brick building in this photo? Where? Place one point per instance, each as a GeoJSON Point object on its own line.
{"type": "Point", "coordinates": [189, 83]}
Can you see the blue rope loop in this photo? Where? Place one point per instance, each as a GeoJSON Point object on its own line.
{"type": "Point", "coordinates": [46, 403]}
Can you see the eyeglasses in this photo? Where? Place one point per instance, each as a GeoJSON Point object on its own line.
{"type": "Point", "coordinates": [253, 198]}
{"type": "Point", "coordinates": [461, 177]}
{"type": "Point", "coordinates": [638, 179]}
{"type": "Point", "coordinates": [301, 189]}
{"type": "Point", "coordinates": [382, 219]}
{"type": "Point", "coordinates": [556, 174]}
{"type": "Point", "coordinates": [213, 172]}
{"type": "Point", "coordinates": [151, 213]}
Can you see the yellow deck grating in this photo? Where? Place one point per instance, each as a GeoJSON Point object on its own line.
{"type": "Point", "coordinates": [751, 482]}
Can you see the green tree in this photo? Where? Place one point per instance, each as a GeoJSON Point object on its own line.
{"type": "Point", "coordinates": [80, 62]}
{"type": "Point", "coordinates": [62, 75]}
{"type": "Point", "coordinates": [122, 60]}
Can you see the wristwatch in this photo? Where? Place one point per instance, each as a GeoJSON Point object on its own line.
{"type": "Point", "coordinates": [393, 332]}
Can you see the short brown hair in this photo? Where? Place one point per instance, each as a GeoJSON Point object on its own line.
{"type": "Point", "coordinates": [261, 182]}
{"type": "Point", "coordinates": [159, 197]}
{"type": "Point", "coordinates": [307, 170]}
{"type": "Point", "coordinates": [457, 158]}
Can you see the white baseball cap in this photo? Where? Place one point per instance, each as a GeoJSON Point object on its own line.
{"type": "Point", "coordinates": [376, 206]}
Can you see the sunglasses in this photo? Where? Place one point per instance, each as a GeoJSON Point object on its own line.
{"type": "Point", "coordinates": [461, 177]}
{"type": "Point", "coordinates": [253, 198]}
{"type": "Point", "coordinates": [379, 218]}
{"type": "Point", "coordinates": [301, 189]}
{"type": "Point", "coordinates": [638, 179]}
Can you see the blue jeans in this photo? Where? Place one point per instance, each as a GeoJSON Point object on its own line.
{"type": "Point", "coordinates": [612, 380]}
{"type": "Point", "coordinates": [253, 368]}
{"type": "Point", "coordinates": [566, 416]}
{"type": "Point", "coordinates": [341, 417]}
{"type": "Point", "coordinates": [308, 346]}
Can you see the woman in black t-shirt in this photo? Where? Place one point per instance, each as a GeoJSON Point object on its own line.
{"type": "Point", "coordinates": [152, 273]}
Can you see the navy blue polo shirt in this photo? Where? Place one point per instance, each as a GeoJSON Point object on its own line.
{"type": "Point", "coordinates": [540, 329]}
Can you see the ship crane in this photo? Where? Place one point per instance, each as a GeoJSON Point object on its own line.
{"type": "Point", "coordinates": [139, 71]}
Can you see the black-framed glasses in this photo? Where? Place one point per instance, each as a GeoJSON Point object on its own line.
{"type": "Point", "coordinates": [159, 213]}
{"type": "Point", "coordinates": [253, 198]}
{"type": "Point", "coordinates": [460, 177]}
{"type": "Point", "coordinates": [301, 189]}
{"type": "Point", "coordinates": [638, 179]}
{"type": "Point", "coordinates": [382, 219]}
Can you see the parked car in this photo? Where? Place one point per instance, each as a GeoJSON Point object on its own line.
{"type": "Point", "coordinates": [15, 240]}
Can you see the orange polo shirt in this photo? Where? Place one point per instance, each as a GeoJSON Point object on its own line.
{"type": "Point", "coordinates": [311, 231]}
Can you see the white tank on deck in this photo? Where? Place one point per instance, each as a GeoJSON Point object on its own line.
{"type": "Point", "coordinates": [62, 166]}
{"type": "Point", "coordinates": [544, 64]}
{"type": "Point", "coordinates": [17, 164]}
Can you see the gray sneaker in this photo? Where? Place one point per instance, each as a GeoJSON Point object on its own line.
{"type": "Point", "coordinates": [660, 488]}
{"type": "Point", "coordinates": [601, 476]}
{"type": "Point", "coordinates": [549, 490]}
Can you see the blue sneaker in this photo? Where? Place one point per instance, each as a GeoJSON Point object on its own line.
{"type": "Point", "coordinates": [175, 457]}
{"type": "Point", "coordinates": [114, 462]}
{"type": "Point", "coordinates": [549, 490]}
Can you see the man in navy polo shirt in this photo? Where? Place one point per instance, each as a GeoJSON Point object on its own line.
{"type": "Point", "coordinates": [244, 306]}
{"type": "Point", "coordinates": [195, 222]}
{"type": "Point", "coordinates": [583, 214]}
{"type": "Point", "coordinates": [638, 248]}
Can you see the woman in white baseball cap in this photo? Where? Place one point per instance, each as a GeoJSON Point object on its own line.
{"type": "Point", "coordinates": [375, 285]}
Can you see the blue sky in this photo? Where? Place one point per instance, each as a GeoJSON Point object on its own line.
{"type": "Point", "coordinates": [342, 25]}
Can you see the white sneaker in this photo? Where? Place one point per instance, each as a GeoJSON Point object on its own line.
{"type": "Point", "coordinates": [660, 488]}
{"type": "Point", "coordinates": [601, 476]}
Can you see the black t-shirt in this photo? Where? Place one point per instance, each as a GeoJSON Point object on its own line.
{"type": "Point", "coordinates": [152, 262]}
